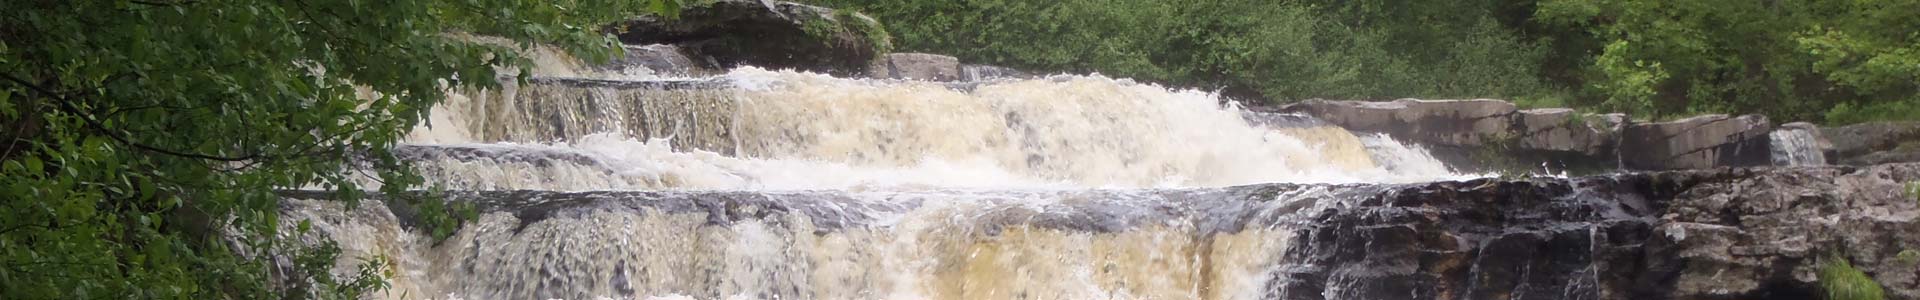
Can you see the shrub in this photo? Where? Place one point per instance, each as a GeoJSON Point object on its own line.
{"type": "Point", "coordinates": [1843, 282]}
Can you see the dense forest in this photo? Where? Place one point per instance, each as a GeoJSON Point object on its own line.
{"type": "Point", "coordinates": [137, 132]}
{"type": "Point", "coordinates": [1836, 61]}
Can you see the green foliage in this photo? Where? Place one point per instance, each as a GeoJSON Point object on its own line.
{"type": "Point", "coordinates": [145, 140]}
{"type": "Point", "coordinates": [1843, 282]}
{"type": "Point", "coordinates": [846, 25]}
{"type": "Point", "coordinates": [1913, 190]}
{"type": "Point", "coordinates": [1841, 61]}
{"type": "Point", "coordinates": [439, 218]}
{"type": "Point", "coordinates": [1284, 50]}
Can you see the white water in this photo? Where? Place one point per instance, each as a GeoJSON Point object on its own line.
{"type": "Point", "coordinates": [970, 174]}
{"type": "Point", "coordinates": [807, 131]}
{"type": "Point", "coordinates": [1796, 147]}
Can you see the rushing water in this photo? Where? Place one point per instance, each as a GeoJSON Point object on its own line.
{"type": "Point", "coordinates": [760, 184]}
{"type": "Point", "coordinates": [1796, 146]}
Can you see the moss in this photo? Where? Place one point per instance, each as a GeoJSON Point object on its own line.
{"type": "Point", "coordinates": [1843, 282]}
{"type": "Point", "coordinates": [870, 29]}
{"type": "Point", "coordinates": [1913, 190]}
{"type": "Point", "coordinates": [820, 28]}
{"type": "Point", "coordinates": [847, 27]}
{"type": "Point", "coordinates": [1909, 257]}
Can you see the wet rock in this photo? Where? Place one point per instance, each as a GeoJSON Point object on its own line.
{"type": "Point", "coordinates": [1707, 234]}
{"type": "Point", "coordinates": [971, 72]}
{"type": "Point", "coordinates": [1696, 143]}
{"type": "Point", "coordinates": [769, 34]}
{"type": "Point", "coordinates": [1798, 144]}
{"type": "Point", "coordinates": [916, 66]}
{"type": "Point", "coordinates": [1874, 143]}
{"type": "Point", "coordinates": [1726, 233]}
{"type": "Point", "coordinates": [659, 60]}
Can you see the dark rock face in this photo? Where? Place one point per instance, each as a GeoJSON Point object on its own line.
{"type": "Point", "coordinates": [769, 34]}
{"type": "Point", "coordinates": [1698, 142]}
{"type": "Point", "coordinates": [1874, 143]}
{"type": "Point", "coordinates": [1709, 234]}
{"type": "Point", "coordinates": [915, 66]}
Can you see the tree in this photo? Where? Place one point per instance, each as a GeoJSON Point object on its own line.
{"type": "Point", "coordinates": [145, 139]}
{"type": "Point", "coordinates": [1790, 60]}
{"type": "Point", "coordinates": [1252, 50]}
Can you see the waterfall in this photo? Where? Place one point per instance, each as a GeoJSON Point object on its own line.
{"type": "Point", "coordinates": [765, 184]}
{"type": "Point", "coordinates": [1796, 146]}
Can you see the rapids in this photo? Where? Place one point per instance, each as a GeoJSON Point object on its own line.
{"type": "Point", "coordinates": [769, 184]}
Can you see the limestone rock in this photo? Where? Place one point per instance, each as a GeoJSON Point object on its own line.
{"type": "Point", "coordinates": [916, 66]}
{"type": "Point", "coordinates": [1483, 135]}
{"type": "Point", "coordinates": [1561, 129]}
{"type": "Point", "coordinates": [1440, 122]}
{"type": "Point", "coordinates": [1874, 143]}
{"type": "Point", "coordinates": [769, 34]}
{"type": "Point", "coordinates": [1696, 143]}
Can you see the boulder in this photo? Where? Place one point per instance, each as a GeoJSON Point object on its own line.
{"type": "Point", "coordinates": [769, 34]}
{"type": "Point", "coordinates": [1699, 142]}
{"type": "Point", "coordinates": [1874, 143]}
{"type": "Point", "coordinates": [916, 66]}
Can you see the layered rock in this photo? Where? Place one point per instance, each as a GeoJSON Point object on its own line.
{"type": "Point", "coordinates": [1483, 134]}
{"type": "Point", "coordinates": [972, 72]}
{"type": "Point", "coordinates": [1874, 143]}
{"type": "Point", "coordinates": [1494, 135]}
{"type": "Point", "coordinates": [916, 66]}
{"type": "Point", "coordinates": [1710, 234]}
{"type": "Point", "coordinates": [1698, 142]}
{"type": "Point", "coordinates": [768, 34]}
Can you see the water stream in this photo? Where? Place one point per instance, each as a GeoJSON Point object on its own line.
{"type": "Point", "coordinates": [765, 184]}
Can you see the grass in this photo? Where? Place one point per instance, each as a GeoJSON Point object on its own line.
{"type": "Point", "coordinates": [1913, 190]}
{"type": "Point", "coordinates": [1843, 282]}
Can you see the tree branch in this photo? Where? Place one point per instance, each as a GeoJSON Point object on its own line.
{"type": "Point", "coordinates": [67, 105]}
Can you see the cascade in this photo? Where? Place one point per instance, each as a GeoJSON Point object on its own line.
{"type": "Point", "coordinates": [766, 184]}
{"type": "Point", "coordinates": [1795, 146]}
